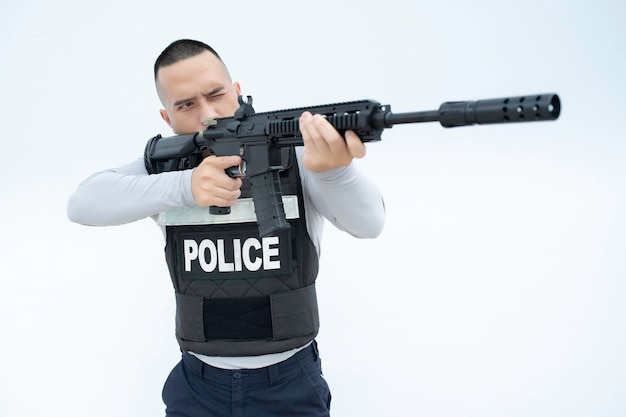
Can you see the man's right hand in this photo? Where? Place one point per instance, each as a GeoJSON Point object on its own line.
{"type": "Point", "coordinates": [211, 186]}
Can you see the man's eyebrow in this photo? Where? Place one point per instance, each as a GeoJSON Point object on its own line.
{"type": "Point", "coordinates": [183, 101]}
{"type": "Point", "coordinates": [214, 91]}
{"type": "Point", "coordinates": [209, 94]}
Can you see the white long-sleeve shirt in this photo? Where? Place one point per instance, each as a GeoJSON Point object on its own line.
{"type": "Point", "coordinates": [344, 196]}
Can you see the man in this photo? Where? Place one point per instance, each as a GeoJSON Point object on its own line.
{"type": "Point", "coordinates": [245, 322]}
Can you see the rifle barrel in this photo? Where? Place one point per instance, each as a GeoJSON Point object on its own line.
{"type": "Point", "coordinates": [531, 108]}
{"type": "Point", "coordinates": [412, 117]}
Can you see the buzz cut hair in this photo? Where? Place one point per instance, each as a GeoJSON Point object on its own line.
{"type": "Point", "coordinates": [179, 50]}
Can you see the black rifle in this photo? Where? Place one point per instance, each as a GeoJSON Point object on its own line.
{"type": "Point", "coordinates": [256, 137]}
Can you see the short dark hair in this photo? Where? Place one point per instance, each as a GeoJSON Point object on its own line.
{"type": "Point", "coordinates": [179, 50]}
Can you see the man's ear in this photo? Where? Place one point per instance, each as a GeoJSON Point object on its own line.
{"type": "Point", "coordinates": [165, 117]}
{"type": "Point", "coordinates": [237, 87]}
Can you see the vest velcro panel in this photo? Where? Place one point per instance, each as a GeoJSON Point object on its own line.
{"type": "Point", "coordinates": [275, 317]}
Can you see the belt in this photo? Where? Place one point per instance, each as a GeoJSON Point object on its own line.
{"type": "Point", "coordinates": [266, 376]}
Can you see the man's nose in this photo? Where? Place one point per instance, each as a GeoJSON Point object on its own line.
{"type": "Point", "coordinates": [207, 112]}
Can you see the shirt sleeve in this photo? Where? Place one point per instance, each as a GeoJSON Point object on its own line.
{"type": "Point", "coordinates": [128, 193]}
{"type": "Point", "coordinates": [344, 196]}
{"type": "Point", "coordinates": [347, 198]}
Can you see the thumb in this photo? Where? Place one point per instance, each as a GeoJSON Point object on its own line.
{"type": "Point", "coordinates": [355, 146]}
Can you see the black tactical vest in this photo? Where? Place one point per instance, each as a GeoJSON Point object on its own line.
{"type": "Point", "coordinates": [238, 294]}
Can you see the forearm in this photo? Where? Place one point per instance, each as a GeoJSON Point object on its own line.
{"type": "Point", "coordinates": [126, 194]}
{"type": "Point", "coordinates": [348, 199]}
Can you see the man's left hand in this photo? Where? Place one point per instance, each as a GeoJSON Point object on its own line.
{"type": "Point", "coordinates": [324, 147]}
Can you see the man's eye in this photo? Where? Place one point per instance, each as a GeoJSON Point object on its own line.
{"type": "Point", "coordinates": [185, 105]}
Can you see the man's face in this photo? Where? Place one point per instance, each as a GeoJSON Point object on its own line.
{"type": "Point", "coordinates": [194, 90]}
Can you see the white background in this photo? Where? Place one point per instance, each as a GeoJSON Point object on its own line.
{"type": "Point", "coordinates": [498, 285]}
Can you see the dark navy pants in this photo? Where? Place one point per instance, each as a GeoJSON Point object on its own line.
{"type": "Point", "coordinates": [291, 388]}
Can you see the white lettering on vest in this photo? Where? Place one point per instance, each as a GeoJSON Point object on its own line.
{"type": "Point", "coordinates": [202, 248]}
{"type": "Point", "coordinates": [211, 255]}
{"type": "Point", "coordinates": [251, 265]}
